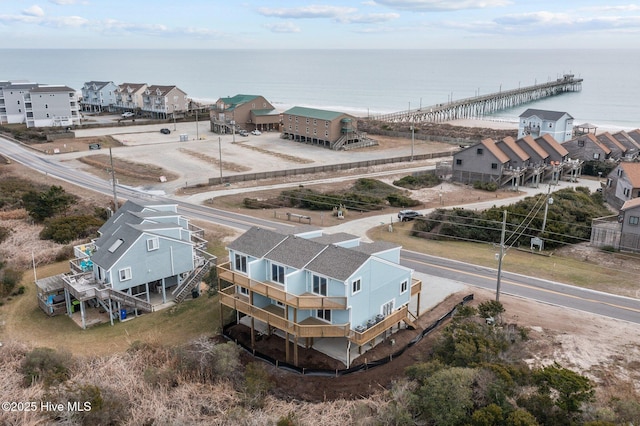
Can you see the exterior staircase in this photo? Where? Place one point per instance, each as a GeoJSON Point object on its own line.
{"type": "Point", "coordinates": [339, 143]}
{"type": "Point", "coordinates": [192, 280]}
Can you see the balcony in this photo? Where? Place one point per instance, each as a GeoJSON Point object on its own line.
{"type": "Point", "coordinates": [273, 316]}
{"type": "Point", "coordinates": [276, 292]}
{"type": "Point", "coordinates": [361, 338]}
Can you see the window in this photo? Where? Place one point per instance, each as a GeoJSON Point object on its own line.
{"type": "Point", "coordinates": [326, 124]}
{"type": "Point", "coordinates": [124, 274]}
{"type": "Point", "coordinates": [479, 151]}
{"type": "Point", "coordinates": [324, 314]}
{"type": "Point", "coordinates": [290, 117]}
{"type": "Point", "coordinates": [458, 162]}
{"type": "Point", "coordinates": [387, 308]}
{"type": "Point", "coordinates": [326, 134]}
{"type": "Point", "coordinates": [494, 166]}
{"type": "Point", "coordinates": [580, 142]}
{"type": "Point", "coordinates": [315, 122]}
{"type": "Point", "coordinates": [633, 220]}
{"type": "Point", "coordinates": [404, 285]}
{"type": "Point", "coordinates": [596, 156]}
{"type": "Point", "coordinates": [307, 120]}
{"type": "Point", "coordinates": [240, 263]}
{"type": "Point", "coordinates": [153, 244]}
{"type": "Point", "coordinates": [319, 285]}
{"type": "Point", "coordinates": [243, 291]}
{"type": "Point", "coordinates": [626, 192]}
{"type": "Point", "coordinates": [277, 273]}
{"type": "Point", "coordinates": [307, 130]}
{"type": "Point", "coordinates": [356, 286]}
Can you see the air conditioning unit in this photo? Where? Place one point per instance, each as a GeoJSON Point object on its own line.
{"type": "Point", "coordinates": [371, 323]}
{"type": "Point", "coordinates": [360, 329]}
{"type": "Point", "coordinates": [379, 317]}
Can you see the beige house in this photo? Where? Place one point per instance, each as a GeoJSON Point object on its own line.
{"type": "Point", "coordinates": [329, 129]}
{"type": "Point", "coordinates": [244, 112]}
{"type": "Point", "coordinates": [164, 101]}
{"type": "Point", "coordinates": [129, 96]}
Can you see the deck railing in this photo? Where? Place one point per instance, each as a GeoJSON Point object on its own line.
{"type": "Point", "coordinates": [272, 291]}
{"type": "Point", "coordinates": [229, 298]}
{"type": "Point", "coordinates": [360, 338]}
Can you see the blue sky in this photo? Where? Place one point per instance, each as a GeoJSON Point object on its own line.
{"type": "Point", "coordinates": [332, 24]}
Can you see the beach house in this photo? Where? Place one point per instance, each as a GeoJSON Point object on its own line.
{"type": "Point", "coordinates": [243, 112]}
{"type": "Point", "coordinates": [310, 286]}
{"type": "Point", "coordinates": [623, 184]}
{"type": "Point", "coordinates": [129, 96]}
{"type": "Point", "coordinates": [587, 147]}
{"type": "Point", "coordinates": [537, 122]}
{"type": "Point", "coordinates": [164, 102]}
{"type": "Point", "coordinates": [328, 129]}
{"type": "Point", "coordinates": [98, 96]}
{"type": "Point", "coordinates": [38, 105]}
{"type": "Point", "coordinates": [515, 162]}
{"type": "Point", "coordinates": [146, 255]}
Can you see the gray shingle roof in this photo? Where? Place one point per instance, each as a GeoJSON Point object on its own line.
{"type": "Point", "coordinates": [105, 256]}
{"type": "Point", "coordinates": [295, 251]}
{"type": "Point", "coordinates": [544, 114]}
{"type": "Point", "coordinates": [256, 242]}
{"type": "Point", "coordinates": [337, 262]}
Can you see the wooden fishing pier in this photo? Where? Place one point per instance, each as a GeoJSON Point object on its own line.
{"type": "Point", "coordinates": [479, 106]}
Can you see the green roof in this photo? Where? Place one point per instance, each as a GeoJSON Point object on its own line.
{"type": "Point", "coordinates": [320, 114]}
{"type": "Point", "coordinates": [236, 100]}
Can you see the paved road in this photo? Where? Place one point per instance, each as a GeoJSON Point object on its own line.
{"type": "Point", "coordinates": [559, 294]}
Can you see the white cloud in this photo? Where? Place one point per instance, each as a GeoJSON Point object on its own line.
{"type": "Point", "coordinates": [442, 5]}
{"type": "Point", "coordinates": [34, 10]}
{"type": "Point", "coordinates": [283, 27]}
{"type": "Point", "coordinates": [372, 18]}
{"type": "Point", "coordinates": [313, 11]}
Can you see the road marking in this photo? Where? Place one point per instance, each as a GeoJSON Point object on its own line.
{"type": "Point", "coordinates": [524, 285]}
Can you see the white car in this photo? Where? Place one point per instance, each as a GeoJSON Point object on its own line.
{"type": "Point", "coordinates": [127, 114]}
{"type": "Point", "coordinates": [256, 132]}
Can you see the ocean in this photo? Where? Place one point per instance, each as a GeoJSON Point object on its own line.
{"type": "Point", "coordinates": [360, 82]}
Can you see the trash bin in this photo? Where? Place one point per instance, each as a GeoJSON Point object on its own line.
{"type": "Point", "coordinates": [123, 314]}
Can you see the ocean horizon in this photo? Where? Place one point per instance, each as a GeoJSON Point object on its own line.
{"type": "Point", "coordinates": [359, 82]}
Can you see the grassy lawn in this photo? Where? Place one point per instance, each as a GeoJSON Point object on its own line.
{"type": "Point", "coordinates": [22, 320]}
{"type": "Point", "coordinates": [583, 273]}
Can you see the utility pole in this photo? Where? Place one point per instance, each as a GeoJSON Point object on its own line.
{"type": "Point", "coordinates": [548, 201]}
{"type": "Point", "coordinates": [220, 152]}
{"type": "Point", "coordinates": [413, 129]}
{"type": "Point", "coordinates": [113, 181]}
{"type": "Point", "coordinates": [501, 255]}
{"type": "Point", "coordinates": [197, 133]}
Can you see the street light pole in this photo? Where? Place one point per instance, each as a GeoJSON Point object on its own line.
{"type": "Point", "coordinates": [197, 132]}
{"type": "Point", "coordinates": [174, 117]}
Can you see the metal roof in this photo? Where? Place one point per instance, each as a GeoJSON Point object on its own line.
{"type": "Point", "coordinates": [319, 114]}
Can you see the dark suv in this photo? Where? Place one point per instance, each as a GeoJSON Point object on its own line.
{"type": "Point", "coordinates": [407, 215]}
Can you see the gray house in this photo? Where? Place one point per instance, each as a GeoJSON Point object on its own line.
{"type": "Point", "coordinates": [618, 150]}
{"type": "Point", "coordinates": [51, 106]}
{"type": "Point", "coordinates": [98, 96]}
{"type": "Point", "coordinates": [621, 231]}
{"type": "Point", "coordinates": [587, 148]}
{"type": "Point", "coordinates": [623, 184]}
{"type": "Point", "coordinates": [632, 145]}
{"type": "Point", "coordinates": [537, 122]}
{"type": "Point", "coordinates": [483, 162]}
{"type": "Point", "coordinates": [146, 255]}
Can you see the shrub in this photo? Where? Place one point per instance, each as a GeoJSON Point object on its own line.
{"type": "Point", "coordinates": [46, 365]}
{"type": "Point", "coordinates": [46, 204]}
{"type": "Point", "coordinates": [9, 278]}
{"type": "Point", "coordinates": [398, 200]}
{"type": "Point", "coordinates": [486, 186]}
{"type": "Point", "coordinates": [256, 385]}
{"type": "Point", "coordinates": [65, 229]}
{"type": "Point", "coordinates": [97, 406]}
{"type": "Point", "coordinates": [428, 180]}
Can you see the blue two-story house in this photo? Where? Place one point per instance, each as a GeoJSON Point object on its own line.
{"type": "Point", "coordinates": [311, 285]}
{"type": "Point", "coordinates": [146, 255]}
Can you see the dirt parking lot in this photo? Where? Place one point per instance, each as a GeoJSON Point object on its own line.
{"type": "Point", "coordinates": [197, 159]}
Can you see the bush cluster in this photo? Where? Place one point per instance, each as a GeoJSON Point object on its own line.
{"type": "Point", "coordinates": [65, 229]}
{"type": "Point", "coordinates": [485, 186]}
{"type": "Point", "coordinates": [364, 195]}
{"type": "Point", "coordinates": [568, 220]}
{"type": "Point", "coordinates": [428, 180]}
{"type": "Point", "coordinates": [471, 379]}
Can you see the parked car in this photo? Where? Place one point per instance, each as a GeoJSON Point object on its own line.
{"type": "Point", "coordinates": [165, 131]}
{"type": "Point", "coordinates": [93, 146]}
{"type": "Point", "coordinates": [243, 133]}
{"type": "Point", "coordinates": [407, 215]}
{"type": "Point", "coordinates": [256, 132]}
{"type": "Point", "coordinates": [127, 114]}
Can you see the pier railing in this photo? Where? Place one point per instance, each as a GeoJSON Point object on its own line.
{"type": "Point", "coordinates": [478, 106]}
